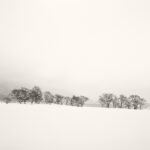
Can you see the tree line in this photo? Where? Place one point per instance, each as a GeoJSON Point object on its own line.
{"type": "Point", "coordinates": [35, 95]}
{"type": "Point", "coordinates": [133, 101]}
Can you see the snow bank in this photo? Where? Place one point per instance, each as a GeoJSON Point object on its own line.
{"type": "Point", "coordinates": [51, 127]}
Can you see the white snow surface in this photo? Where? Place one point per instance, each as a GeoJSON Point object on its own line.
{"type": "Point", "coordinates": [54, 127]}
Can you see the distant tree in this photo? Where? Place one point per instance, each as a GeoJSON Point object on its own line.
{"type": "Point", "coordinates": [49, 98]}
{"type": "Point", "coordinates": [75, 101]}
{"type": "Point", "coordinates": [82, 100]}
{"type": "Point", "coordinates": [128, 103]}
{"type": "Point", "coordinates": [22, 95]}
{"type": "Point", "coordinates": [16, 94]}
{"type": "Point", "coordinates": [135, 101]}
{"type": "Point", "coordinates": [78, 100]}
{"type": "Point", "coordinates": [122, 100]}
{"type": "Point", "coordinates": [102, 101]}
{"type": "Point", "coordinates": [142, 102]}
{"type": "Point", "coordinates": [59, 99]}
{"type": "Point", "coordinates": [106, 99]}
{"type": "Point", "coordinates": [7, 99]}
{"type": "Point", "coordinates": [67, 100]}
{"type": "Point", "coordinates": [115, 101]}
{"type": "Point", "coordinates": [36, 94]}
{"type": "Point", "coordinates": [2, 97]}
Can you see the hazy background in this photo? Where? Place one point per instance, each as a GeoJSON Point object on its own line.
{"type": "Point", "coordinates": [83, 47]}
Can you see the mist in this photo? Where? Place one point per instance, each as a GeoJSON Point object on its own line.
{"type": "Point", "coordinates": [76, 46]}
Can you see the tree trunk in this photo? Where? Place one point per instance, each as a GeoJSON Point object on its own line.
{"type": "Point", "coordinates": [121, 105]}
{"type": "Point", "coordinates": [114, 106]}
{"type": "Point", "coordinates": [107, 105]}
{"type": "Point", "coordinates": [140, 106]}
{"type": "Point", "coordinates": [32, 101]}
{"type": "Point", "coordinates": [135, 107]}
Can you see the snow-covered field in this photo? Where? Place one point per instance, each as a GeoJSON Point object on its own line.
{"type": "Point", "coordinates": [51, 127]}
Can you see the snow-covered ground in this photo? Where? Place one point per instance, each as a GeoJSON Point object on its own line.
{"type": "Point", "coordinates": [51, 127]}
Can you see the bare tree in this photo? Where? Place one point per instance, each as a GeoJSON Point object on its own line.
{"type": "Point", "coordinates": [59, 99]}
{"type": "Point", "coordinates": [128, 103]}
{"type": "Point", "coordinates": [22, 95]}
{"type": "Point", "coordinates": [82, 100]}
{"type": "Point", "coordinates": [106, 99]}
{"type": "Point", "coordinates": [115, 101]}
{"type": "Point", "coordinates": [75, 101]}
{"type": "Point", "coordinates": [122, 100]}
{"type": "Point", "coordinates": [135, 100]}
{"type": "Point", "coordinates": [36, 94]}
{"type": "Point", "coordinates": [142, 102]}
{"type": "Point", "coordinates": [16, 94]}
{"type": "Point", "coordinates": [49, 98]}
{"type": "Point", "coordinates": [67, 100]}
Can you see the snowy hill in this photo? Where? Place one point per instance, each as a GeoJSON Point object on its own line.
{"type": "Point", "coordinates": [51, 127]}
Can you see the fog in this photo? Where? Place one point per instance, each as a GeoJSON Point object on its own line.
{"type": "Point", "coordinates": [76, 46]}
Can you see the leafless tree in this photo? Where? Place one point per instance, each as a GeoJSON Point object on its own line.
{"type": "Point", "coordinates": [106, 99]}
{"type": "Point", "coordinates": [135, 100]}
{"type": "Point", "coordinates": [36, 94]}
{"type": "Point", "coordinates": [22, 95]}
{"type": "Point", "coordinates": [142, 102]}
{"type": "Point", "coordinates": [122, 100]}
{"type": "Point", "coordinates": [59, 99]}
{"type": "Point", "coordinates": [49, 98]}
{"type": "Point", "coordinates": [82, 100]}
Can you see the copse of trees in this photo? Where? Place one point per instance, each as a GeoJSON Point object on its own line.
{"type": "Point", "coordinates": [78, 100]}
{"type": "Point", "coordinates": [133, 101]}
{"type": "Point", "coordinates": [22, 95]}
{"type": "Point", "coordinates": [35, 95]}
{"type": "Point", "coordinates": [25, 95]}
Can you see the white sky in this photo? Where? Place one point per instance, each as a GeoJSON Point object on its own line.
{"type": "Point", "coordinates": [78, 46]}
